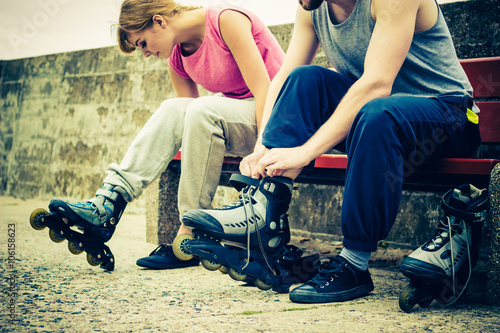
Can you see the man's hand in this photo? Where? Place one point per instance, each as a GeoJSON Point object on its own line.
{"type": "Point", "coordinates": [279, 161]}
{"type": "Point", "coordinates": [248, 164]}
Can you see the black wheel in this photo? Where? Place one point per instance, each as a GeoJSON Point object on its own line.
{"type": "Point", "coordinates": [36, 219]}
{"type": "Point", "coordinates": [236, 275]}
{"type": "Point", "coordinates": [261, 284]}
{"type": "Point", "coordinates": [75, 248]}
{"type": "Point", "coordinates": [210, 265]}
{"type": "Point", "coordinates": [426, 303]}
{"type": "Point", "coordinates": [179, 249]}
{"type": "Point", "coordinates": [93, 261]}
{"type": "Point", "coordinates": [406, 298]}
{"type": "Point", "coordinates": [56, 237]}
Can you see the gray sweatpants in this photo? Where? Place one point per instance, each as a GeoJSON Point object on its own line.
{"type": "Point", "coordinates": [207, 128]}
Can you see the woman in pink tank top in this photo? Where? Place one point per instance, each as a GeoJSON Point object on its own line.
{"type": "Point", "coordinates": [227, 51]}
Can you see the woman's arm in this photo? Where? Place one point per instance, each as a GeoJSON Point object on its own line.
{"type": "Point", "coordinates": [183, 87]}
{"type": "Point", "coordinates": [236, 30]}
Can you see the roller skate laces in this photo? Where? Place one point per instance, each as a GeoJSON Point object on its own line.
{"type": "Point", "coordinates": [454, 248]}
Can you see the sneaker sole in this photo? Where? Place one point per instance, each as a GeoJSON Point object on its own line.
{"type": "Point", "coordinates": [152, 265]}
{"type": "Point", "coordinates": [298, 296]}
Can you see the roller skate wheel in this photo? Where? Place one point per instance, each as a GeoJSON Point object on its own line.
{"type": "Point", "coordinates": [223, 269]}
{"type": "Point", "coordinates": [261, 284]}
{"type": "Point", "coordinates": [406, 298]}
{"type": "Point", "coordinates": [75, 248]}
{"type": "Point", "coordinates": [236, 275]}
{"type": "Point", "coordinates": [210, 265]}
{"type": "Point", "coordinates": [93, 260]}
{"type": "Point", "coordinates": [178, 247]}
{"type": "Point", "coordinates": [56, 237]}
{"type": "Point", "coordinates": [36, 219]}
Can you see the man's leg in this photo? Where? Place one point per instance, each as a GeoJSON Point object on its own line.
{"type": "Point", "coordinates": [389, 139]}
{"type": "Point", "coordinates": [307, 99]}
{"type": "Point", "coordinates": [387, 136]}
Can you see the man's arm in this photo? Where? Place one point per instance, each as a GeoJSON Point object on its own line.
{"type": "Point", "coordinates": [388, 48]}
{"type": "Point", "coordinates": [301, 51]}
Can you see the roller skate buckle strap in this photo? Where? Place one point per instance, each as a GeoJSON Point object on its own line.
{"type": "Point", "coordinates": [111, 195]}
{"type": "Point", "coordinates": [469, 216]}
{"type": "Point", "coordinates": [239, 181]}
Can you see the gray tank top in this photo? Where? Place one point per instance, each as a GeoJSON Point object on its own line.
{"type": "Point", "coordinates": [431, 68]}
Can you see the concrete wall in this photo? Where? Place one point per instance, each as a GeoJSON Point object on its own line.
{"type": "Point", "coordinates": [65, 117]}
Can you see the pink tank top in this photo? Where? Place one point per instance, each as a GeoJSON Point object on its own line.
{"type": "Point", "coordinates": [213, 67]}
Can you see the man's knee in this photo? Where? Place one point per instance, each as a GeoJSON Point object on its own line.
{"type": "Point", "coordinates": [376, 114]}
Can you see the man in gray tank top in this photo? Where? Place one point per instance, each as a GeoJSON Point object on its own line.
{"type": "Point", "coordinates": [397, 99]}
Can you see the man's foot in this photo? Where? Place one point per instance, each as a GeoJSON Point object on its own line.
{"type": "Point", "coordinates": [336, 281]}
{"type": "Point", "coordinates": [163, 258]}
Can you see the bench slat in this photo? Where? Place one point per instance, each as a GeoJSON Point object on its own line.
{"type": "Point", "coordinates": [489, 121]}
{"type": "Point", "coordinates": [484, 76]}
{"type": "Point", "coordinates": [458, 166]}
{"type": "Point", "coordinates": [462, 166]}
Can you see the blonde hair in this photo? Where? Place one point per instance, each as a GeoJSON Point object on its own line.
{"type": "Point", "coordinates": [137, 15]}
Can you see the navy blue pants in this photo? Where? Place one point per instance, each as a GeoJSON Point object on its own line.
{"type": "Point", "coordinates": [389, 138]}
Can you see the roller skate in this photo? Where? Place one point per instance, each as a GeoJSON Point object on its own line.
{"type": "Point", "coordinates": [247, 236]}
{"type": "Point", "coordinates": [87, 225]}
{"type": "Point", "coordinates": [441, 268]}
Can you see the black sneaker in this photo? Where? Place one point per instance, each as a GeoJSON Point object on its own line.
{"type": "Point", "coordinates": [336, 281]}
{"type": "Point", "coordinates": [163, 258]}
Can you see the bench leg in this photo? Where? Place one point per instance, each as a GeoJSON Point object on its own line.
{"type": "Point", "coordinates": [493, 234]}
{"type": "Point", "coordinates": [162, 214]}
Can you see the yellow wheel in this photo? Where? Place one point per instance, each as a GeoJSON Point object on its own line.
{"type": "Point", "coordinates": [210, 265]}
{"type": "Point", "coordinates": [93, 261]}
{"type": "Point", "coordinates": [223, 269]}
{"type": "Point", "coordinates": [236, 275]}
{"type": "Point", "coordinates": [406, 298]}
{"type": "Point", "coordinates": [36, 219]}
{"type": "Point", "coordinates": [261, 284]}
{"type": "Point", "coordinates": [75, 248]}
{"type": "Point", "coordinates": [56, 237]}
{"type": "Point", "coordinates": [179, 249]}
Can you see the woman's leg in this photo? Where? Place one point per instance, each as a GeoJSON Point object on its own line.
{"type": "Point", "coordinates": [152, 149]}
{"type": "Point", "coordinates": [214, 127]}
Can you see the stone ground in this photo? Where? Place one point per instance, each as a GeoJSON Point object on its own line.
{"type": "Point", "coordinates": [56, 291]}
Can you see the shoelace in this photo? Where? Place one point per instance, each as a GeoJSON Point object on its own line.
{"type": "Point", "coordinates": [445, 231]}
{"type": "Point", "coordinates": [247, 199]}
{"type": "Point", "coordinates": [452, 257]}
{"type": "Point", "coordinates": [325, 272]}
{"type": "Point", "coordinates": [161, 249]}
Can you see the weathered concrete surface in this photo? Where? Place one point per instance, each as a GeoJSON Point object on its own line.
{"type": "Point", "coordinates": [60, 292]}
{"type": "Point", "coordinates": [65, 117]}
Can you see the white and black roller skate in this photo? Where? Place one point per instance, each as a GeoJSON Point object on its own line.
{"type": "Point", "coordinates": [441, 268]}
{"type": "Point", "coordinates": [87, 225]}
{"type": "Point", "coordinates": [244, 236]}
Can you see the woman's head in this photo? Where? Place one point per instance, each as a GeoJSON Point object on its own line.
{"type": "Point", "coordinates": [137, 16]}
